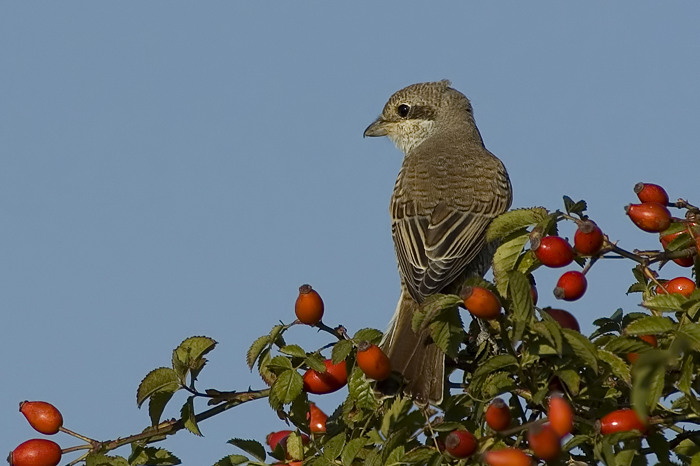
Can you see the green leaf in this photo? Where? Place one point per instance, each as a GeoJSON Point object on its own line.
{"type": "Point", "coordinates": [665, 302]}
{"type": "Point", "coordinates": [293, 350]}
{"type": "Point", "coordinates": [447, 331]}
{"type": "Point", "coordinates": [151, 456]}
{"type": "Point", "coordinates": [519, 292]}
{"type": "Point", "coordinates": [371, 335]}
{"type": "Point", "coordinates": [571, 379]}
{"type": "Point", "coordinates": [513, 220]}
{"type": "Point", "coordinates": [506, 256]}
{"type": "Point", "coordinates": [188, 416]}
{"type": "Point", "coordinates": [288, 386]}
{"type": "Point", "coordinates": [294, 447]}
{"type": "Point", "coordinates": [495, 363]}
{"type": "Point", "coordinates": [351, 450]}
{"type": "Point", "coordinates": [156, 405]}
{"type": "Point", "coordinates": [398, 408]}
{"type": "Point", "coordinates": [396, 456]}
{"type": "Point", "coordinates": [334, 446]}
{"type": "Point", "coordinates": [583, 348]}
{"type": "Point", "coordinates": [341, 350]}
{"type": "Point", "coordinates": [315, 362]}
{"type": "Point", "coordinates": [232, 460]}
{"type": "Point", "coordinates": [162, 379]}
{"type": "Point", "coordinates": [574, 207]}
{"type": "Point", "coordinates": [266, 374]}
{"type": "Point", "coordinates": [360, 390]}
{"type": "Point", "coordinates": [251, 447]}
{"type": "Point", "coordinates": [190, 355]}
{"type": "Point", "coordinates": [648, 377]}
{"type": "Point", "coordinates": [279, 364]}
{"type": "Point", "coordinates": [650, 325]}
{"type": "Point", "coordinates": [691, 332]}
{"type": "Point", "coordinates": [99, 459]}
{"type": "Point", "coordinates": [255, 349]}
{"type": "Point", "coordinates": [687, 373]}
{"type": "Point", "coordinates": [618, 367]}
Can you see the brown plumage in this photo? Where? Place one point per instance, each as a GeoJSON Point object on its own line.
{"type": "Point", "coordinates": [447, 192]}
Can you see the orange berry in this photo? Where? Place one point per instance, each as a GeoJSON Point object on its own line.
{"type": "Point", "coordinates": [544, 442]}
{"type": "Point", "coordinates": [649, 216]}
{"type": "Point", "coordinates": [460, 443]}
{"type": "Point", "coordinates": [560, 415]}
{"type": "Point", "coordinates": [681, 285]}
{"type": "Point", "coordinates": [621, 420]}
{"type": "Point", "coordinates": [42, 416]}
{"type": "Point", "coordinates": [507, 457]}
{"type": "Point", "coordinates": [649, 192]}
{"type": "Point", "coordinates": [36, 452]}
{"type": "Point", "coordinates": [317, 419]}
{"type": "Point", "coordinates": [481, 302]}
{"type": "Point", "coordinates": [372, 361]}
{"type": "Point", "coordinates": [335, 377]}
{"type": "Point", "coordinates": [309, 306]}
{"type": "Point", "coordinates": [498, 415]}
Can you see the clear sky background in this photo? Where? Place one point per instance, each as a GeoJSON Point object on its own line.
{"type": "Point", "coordinates": [170, 169]}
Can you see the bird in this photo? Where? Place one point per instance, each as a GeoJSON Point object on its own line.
{"type": "Point", "coordinates": [448, 190]}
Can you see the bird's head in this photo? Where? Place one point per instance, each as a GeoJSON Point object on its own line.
{"type": "Point", "coordinates": [418, 111]}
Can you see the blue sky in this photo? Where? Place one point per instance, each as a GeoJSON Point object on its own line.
{"type": "Point", "coordinates": [171, 169]}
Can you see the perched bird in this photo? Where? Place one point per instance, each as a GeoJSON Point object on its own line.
{"type": "Point", "coordinates": [447, 192]}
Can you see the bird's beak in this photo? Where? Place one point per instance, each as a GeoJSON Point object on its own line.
{"type": "Point", "coordinates": [378, 128]}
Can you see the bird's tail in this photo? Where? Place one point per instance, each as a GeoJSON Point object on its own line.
{"type": "Point", "coordinates": [415, 356]}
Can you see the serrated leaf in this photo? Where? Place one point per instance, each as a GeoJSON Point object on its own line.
{"type": "Point", "coordinates": [513, 220]}
{"type": "Point", "coordinates": [665, 302]}
{"type": "Point", "coordinates": [162, 379]}
{"type": "Point", "coordinates": [293, 350]}
{"type": "Point", "coordinates": [447, 332]}
{"type": "Point", "coordinates": [550, 329]}
{"type": "Point", "coordinates": [685, 379]}
{"type": "Point", "coordinates": [188, 416]}
{"type": "Point", "coordinates": [276, 335]}
{"type": "Point", "coordinates": [279, 364]}
{"type": "Point", "coordinates": [190, 354]}
{"type": "Point", "coordinates": [255, 349]}
{"type": "Point", "coordinates": [648, 377]}
{"type": "Point", "coordinates": [650, 325]}
{"type": "Point", "coordinates": [360, 390]}
{"type": "Point", "coordinates": [506, 256]}
{"type": "Point", "coordinates": [692, 333]}
{"type": "Point", "coordinates": [288, 386]}
{"type": "Point", "coordinates": [251, 447]}
{"type": "Point", "coordinates": [152, 456]}
{"type": "Point", "coordinates": [351, 450]}
{"type": "Point", "coordinates": [315, 362]}
{"type": "Point", "coordinates": [293, 447]}
{"type": "Point", "coordinates": [519, 292]}
{"type": "Point", "coordinates": [267, 375]}
{"type": "Point", "coordinates": [156, 405]}
{"type": "Point", "coordinates": [99, 459]}
{"type": "Point", "coordinates": [571, 379]}
{"type": "Point", "coordinates": [574, 207]}
{"type": "Point", "coordinates": [341, 350]}
{"type": "Point", "coordinates": [495, 363]}
{"type": "Point", "coordinates": [396, 456]}
{"type": "Point", "coordinates": [398, 408]}
{"type": "Point", "coordinates": [618, 367]}
{"type": "Point", "coordinates": [334, 446]}
{"type": "Point", "coordinates": [371, 335]}
{"type": "Point", "coordinates": [583, 348]}
{"type": "Point", "coordinates": [232, 460]}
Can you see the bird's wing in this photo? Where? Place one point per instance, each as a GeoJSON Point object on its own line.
{"type": "Point", "coordinates": [434, 246]}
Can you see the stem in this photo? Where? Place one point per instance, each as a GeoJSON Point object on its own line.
{"type": "Point", "coordinates": [77, 435]}
{"type": "Point", "coordinates": [339, 332]}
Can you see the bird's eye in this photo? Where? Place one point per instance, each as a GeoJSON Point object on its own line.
{"type": "Point", "coordinates": [403, 110]}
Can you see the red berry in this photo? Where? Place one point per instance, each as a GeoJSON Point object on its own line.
{"type": "Point", "coordinates": [544, 442]}
{"type": "Point", "coordinates": [42, 416]}
{"type": "Point", "coordinates": [588, 238]}
{"type": "Point", "coordinates": [571, 286]}
{"type": "Point", "coordinates": [648, 192]}
{"type": "Point", "coordinates": [335, 377]}
{"type": "Point", "coordinates": [36, 452]}
{"type": "Point", "coordinates": [481, 302]}
{"type": "Point", "coordinates": [317, 419]}
{"type": "Point", "coordinates": [554, 251]}
{"type": "Point", "coordinates": [372, 361]}
{"type": "Point", "coordinates": [681, 285]}
{"type": "Point", "coordinates": [560, 415]}
{"type": "Point", "coordinates": [498, 415]}
{"type": "Point", "coordinates": [309, 306]}
{"type": "Point", "coordinates": [564, 318]}
{"type": "Point", "coordinates": [649, 216]}
{"type": "Point", "coordinates": [507, 457]}
{"type": "Point", "coordinates": [460, 443]}
{"type": "Point", "coordinates": [622, 420]}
